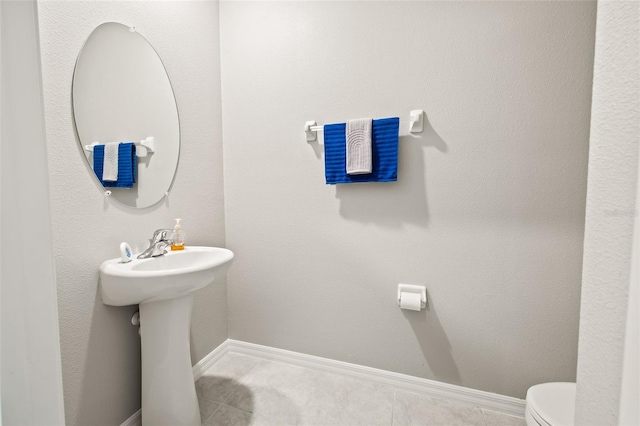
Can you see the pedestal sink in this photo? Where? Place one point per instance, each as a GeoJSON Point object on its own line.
{"type": "Point", "coordinates": [164, 286]}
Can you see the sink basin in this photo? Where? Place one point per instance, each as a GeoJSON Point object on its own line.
{"type": "Point", "coordinates": [164, 287]}
{"type": "Point", "coordinates": [172, 275]}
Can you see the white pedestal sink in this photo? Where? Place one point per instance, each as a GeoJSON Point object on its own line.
{"type": "Point", "coordinates": [164, 286]}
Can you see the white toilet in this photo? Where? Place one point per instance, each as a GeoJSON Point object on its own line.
{"type": "Point", "coordinates": [551, 404]}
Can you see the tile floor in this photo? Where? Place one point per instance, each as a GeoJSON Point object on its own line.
{"type": "Point", "coordinates": [243, 390]}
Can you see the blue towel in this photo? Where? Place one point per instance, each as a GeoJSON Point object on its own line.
{"type": "Point", "coordinates": [127, 164]}
{"type": "Point", "coordinates": [384, 144]}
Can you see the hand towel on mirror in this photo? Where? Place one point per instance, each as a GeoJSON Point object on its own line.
{"type": "Point", "coordinates": [127, 165]}
{"type": "Point", "coordinates": [110, 164]}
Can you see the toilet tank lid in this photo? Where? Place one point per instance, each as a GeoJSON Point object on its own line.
{"type": "Point", "coordinates": [554, 402]}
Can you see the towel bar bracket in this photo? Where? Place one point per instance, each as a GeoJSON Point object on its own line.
{"type": "Point", "coordinates": [148, 144]}
{"type": "Point", "coordinates": [416, 125]}
{"type": "Point", "coordinates": [416, 121]}
{"type": "Point", "coordinates": [310, 131]}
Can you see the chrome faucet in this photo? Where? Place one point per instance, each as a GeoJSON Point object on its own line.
{"type": "Point", "coordinates": [157, 244]}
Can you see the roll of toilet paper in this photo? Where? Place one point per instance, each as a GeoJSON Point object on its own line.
{"type": "Point", "coordinates": [410, 301]}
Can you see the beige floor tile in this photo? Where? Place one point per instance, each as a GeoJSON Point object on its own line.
{"type": "Point", "coordinates": [266, 402]}
{"type": "Point", "coordinates": [207, 408]}
{"type": "Point", "coordinates": [414, 409]}
{"type": "Point", "coordinates": [492, 418]}
{"type": "Point", "coordinates": [344, 400]}
{"type": "Point", "coordinates": [230, 416]}
{"type": "Point", "coordinates": [224, 378]}
{"type": "Point", "coordinates": [261, 392]}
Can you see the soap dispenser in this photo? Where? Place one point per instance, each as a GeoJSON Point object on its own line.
{"type": "Point", "coordinates": [179, 237]}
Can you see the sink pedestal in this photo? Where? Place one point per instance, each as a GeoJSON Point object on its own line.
{"type": "Point", "coordinates": [163, 286]}
{"type": "Point", "coordinates": [168, 390]}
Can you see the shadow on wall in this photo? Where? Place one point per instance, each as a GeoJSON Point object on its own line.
{"type": "Point", "coordinates": [392, 204]}
{"type": "Point", "coordinates": [110, 330]}
{"type": "Point", "coordinates": [434, 343]}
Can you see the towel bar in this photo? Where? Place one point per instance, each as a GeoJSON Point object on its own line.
{"type": "Point", "coordinates": [416, 125]}
{"type": "Point", "coordinates": [147, 143]}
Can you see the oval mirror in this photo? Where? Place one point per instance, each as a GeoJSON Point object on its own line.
{"type": "Point", "coordinates": [126, 115]}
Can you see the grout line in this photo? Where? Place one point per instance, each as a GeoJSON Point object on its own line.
{"type": "Point", "coordinates": [240, 409]}
{"type": "Point", "coordinates": [212, 414]}
{"type": "Point", "coordinates": [393, 406]}
{"type": "Point", "coordinates": [234, 379]}
{"type": "Point", "coordinates": [208, 399]}
{"type": "Point", "coordinates": [228, 398]}
{"type": "Point", "coordinates": [243, 410]}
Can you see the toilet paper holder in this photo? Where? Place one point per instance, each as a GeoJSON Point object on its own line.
{"type": "Point", "coordinates": [417, 289]}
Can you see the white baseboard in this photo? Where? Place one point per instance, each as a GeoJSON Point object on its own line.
{"type": "Point", "coordinates": [134, 420]}
{"type": "Point", "coordinates": [459, 394]}
{"type": "Point", "coordinates": [210, 359]}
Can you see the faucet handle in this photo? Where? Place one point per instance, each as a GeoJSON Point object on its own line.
{"type": "Point", "coordinates": [159, 235]}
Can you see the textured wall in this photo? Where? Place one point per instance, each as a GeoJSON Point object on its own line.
{"type": "Point", "coordinates": [100, 348]}
{"type": "Point", "coordinates": [613, 162]}
{"type": "Point", "coordinates": [488, 211]}
{"type": "Point", "coordinates": [31, 385]}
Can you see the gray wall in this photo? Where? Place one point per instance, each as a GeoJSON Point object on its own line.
{"type": "Point", "coordinates": [613, 168]}
{"type": "Point", "coordinates": [100, 348]}
{"type": "Point", "coordinates": [488, 211]}
{"type": "Point", "coordinates": [31, 385]}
